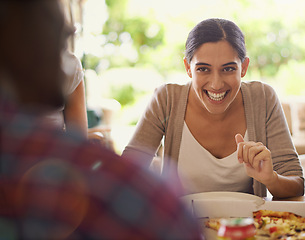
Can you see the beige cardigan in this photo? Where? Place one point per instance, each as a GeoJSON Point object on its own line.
{"type": "Point", "coordinates": [165, 114]}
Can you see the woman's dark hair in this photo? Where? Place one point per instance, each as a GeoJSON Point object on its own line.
{"type": "Point", "coordinates": [214, 30]}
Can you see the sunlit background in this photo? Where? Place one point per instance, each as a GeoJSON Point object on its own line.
{"type": "Point", "coordinates": [129, 47]}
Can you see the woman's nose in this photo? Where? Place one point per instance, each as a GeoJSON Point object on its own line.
{"type": "Point", "coordinates": [216, 81]}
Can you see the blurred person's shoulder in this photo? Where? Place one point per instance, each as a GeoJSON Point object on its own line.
{"type": "Point", "coordinates": [73, 70]}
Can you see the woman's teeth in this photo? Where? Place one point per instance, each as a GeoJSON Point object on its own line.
{"type": "Point", "coordinates": [216, 96]}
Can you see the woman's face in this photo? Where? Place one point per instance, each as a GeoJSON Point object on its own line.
{"type": "Point", "coordinates": [216, 72]}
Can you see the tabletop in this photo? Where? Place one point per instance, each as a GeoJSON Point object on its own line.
{"type": "Point", "coordinates": [299, 199]}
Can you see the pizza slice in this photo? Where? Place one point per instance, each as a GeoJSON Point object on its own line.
{"type": "Point", "coordinates": [279, 225]}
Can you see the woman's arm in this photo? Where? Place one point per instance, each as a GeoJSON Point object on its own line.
{"type": "Point", "coordinates": [149, 130]}
{"type": "Point", "coordinates": [75, 111]}
{"type": "Point", "coordinates": [258, 164]}
{"type": "Point", "coordinates": [285, 186]}
{"type": "Point", "coordinates": [271, 160]}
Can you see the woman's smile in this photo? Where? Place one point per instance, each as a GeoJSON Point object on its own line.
{"type": "Point", "coordinates": [218, 97]}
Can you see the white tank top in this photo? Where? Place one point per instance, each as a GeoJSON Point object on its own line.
{"type": "Point", "coordinates": [200, 171]}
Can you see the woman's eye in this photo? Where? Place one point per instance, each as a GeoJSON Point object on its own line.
{"type": "Point", "coordinates": [229, 69]}
{"type": "Point", "coordinates": [202, 69]}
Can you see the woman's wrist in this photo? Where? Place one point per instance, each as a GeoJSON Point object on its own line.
{"type": "Point", "coordinates": [273, 180]}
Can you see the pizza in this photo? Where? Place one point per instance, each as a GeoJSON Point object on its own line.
{"type": "Point", "coordinates": [279, 225]}
{"type": "Point", "coordinates": [272, 225]}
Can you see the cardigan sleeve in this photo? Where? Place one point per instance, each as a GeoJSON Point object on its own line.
{"type": "Point", "coordinates": [278, 139]}
{"type": "Point", "coordinates": [149, 130]}
{"type": "Point", "coordinates": [266, 123]}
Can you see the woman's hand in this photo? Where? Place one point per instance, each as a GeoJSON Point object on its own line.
{"type": "Point", "coordinates": [101, 136]}
{"type": "Point", "coordinates": [257, 160]}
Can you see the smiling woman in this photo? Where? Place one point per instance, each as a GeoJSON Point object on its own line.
{"type": "Point", "coordinates": [220, 134]}
{"type": "Point", "coordinates": [216, 70]}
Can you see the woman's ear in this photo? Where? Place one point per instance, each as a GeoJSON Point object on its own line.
{"type": "Point", "coordinates": [187, 67]}
{"type": "Point", "coordinates": [244, 66]}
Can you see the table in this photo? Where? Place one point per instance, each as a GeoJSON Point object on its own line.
{"type": "Point", "coordinates": [299, 199]}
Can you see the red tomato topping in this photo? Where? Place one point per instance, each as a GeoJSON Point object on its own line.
{"type": "Point", "coordinates": [272, 229]}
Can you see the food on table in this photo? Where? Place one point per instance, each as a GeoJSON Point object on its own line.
{"type": "Point", "coordinates": [272, 225]}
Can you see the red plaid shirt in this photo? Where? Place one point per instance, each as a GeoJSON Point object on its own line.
{"type": "Point", "coordinates": [58, 186]}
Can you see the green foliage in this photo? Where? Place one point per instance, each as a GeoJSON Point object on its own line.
{"type": "Point", "coordinates": [144, 33]}
{"type": "Point", "coordinates": [90, 61]}
{"type": "Point", "coordinates": [116, 8]}
{"type": "Point", "coordinates": [138, 28]}
{"type": "Point", "coordinates": [270, 46]}
{"type": "Point", "coordinates": [291, 76]}
{"type": "Point", "coordinates": [125, 94]}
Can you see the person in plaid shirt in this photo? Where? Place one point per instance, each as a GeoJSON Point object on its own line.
{"type": "Point", "coordinates": [55, 185]}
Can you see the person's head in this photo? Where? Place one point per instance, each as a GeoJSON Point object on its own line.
{"type": "Point", "coordinates": [215, 30]}
{"type": "Point", "coordinates": [33, 35]}
{"type": "Point", "coordinates": [215, 59]}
